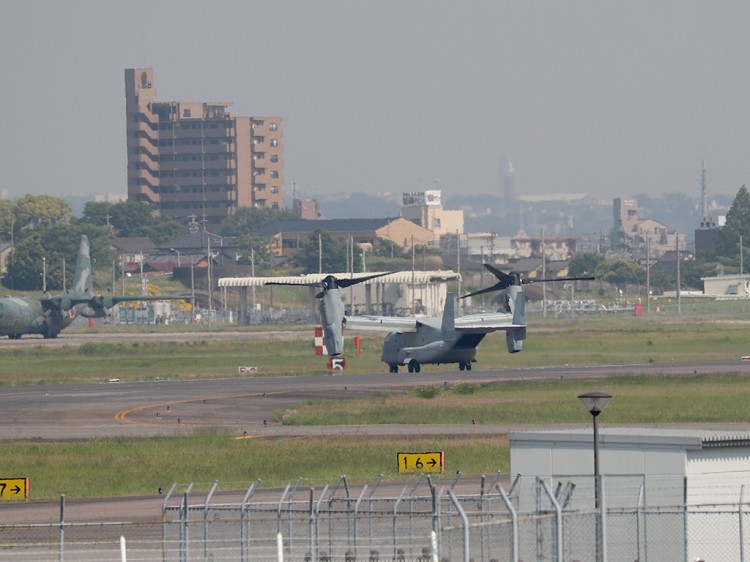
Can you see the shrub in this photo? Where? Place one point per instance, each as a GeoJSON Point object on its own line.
{"type": "Point", "coordinates": [428, 391]}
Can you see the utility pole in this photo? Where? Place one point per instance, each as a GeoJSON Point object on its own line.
{"type": "Point", "coordinates": [544, 276]}
{"type": "Point", "coordinates": [648, 275]}
{"type": "Point", "coordinates": [677, 253]}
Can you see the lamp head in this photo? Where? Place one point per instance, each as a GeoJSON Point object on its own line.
{"type": "Point", "coordinates": [595, 402]}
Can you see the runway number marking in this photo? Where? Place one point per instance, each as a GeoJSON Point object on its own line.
{"type": "Point", "coordinates": [421, 462]}
{"type": "Point", "coordinates": [14, 488]}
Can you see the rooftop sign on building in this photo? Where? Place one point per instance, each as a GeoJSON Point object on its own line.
{"type": "Point", "coordinates": [418, 198]}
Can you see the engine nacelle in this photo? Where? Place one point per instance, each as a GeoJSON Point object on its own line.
{"type": "Point", "coordinates": [108, 302]}
{"type": "Point", "coordinates": [89, 312]}
{"type": "Point", "coordinates": [514, 338]}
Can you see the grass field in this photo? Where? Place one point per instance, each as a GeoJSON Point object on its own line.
{"type": "Point", "coordinates": [110, 467]}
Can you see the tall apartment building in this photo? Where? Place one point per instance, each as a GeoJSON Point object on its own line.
{"type": "Point", "coordinates": [195, 159]}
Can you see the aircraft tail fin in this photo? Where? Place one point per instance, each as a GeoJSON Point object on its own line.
{"type": "Point", "coordinates": [516, 304]}
{"type": "Point", "coordinates": [449, 315]}
{"type": "Point", "coordinates": [82, 279]}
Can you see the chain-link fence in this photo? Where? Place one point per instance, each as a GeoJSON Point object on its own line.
{"type": "Point", "coordinates": [485, 519]}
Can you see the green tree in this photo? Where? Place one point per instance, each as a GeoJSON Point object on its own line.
{"type": "Point", "coordinates": [55, 249]}
{"type": "Point", "coordinates": [331, 252]}
{"type": "Point", "coordinates": [42, 210]}
{"type": "Point", "coordinates": [256, 249]}
{"type": "Point", "coordinates": [132, 218]}
{"type": "Point", "coordinates": [7, 219]}
{"type": "Point", "coordinates": [737, 225]}
{"type": "Point", "coordinates": [620, 272]}
{"type": "Point", "coordinates": [585, 263]}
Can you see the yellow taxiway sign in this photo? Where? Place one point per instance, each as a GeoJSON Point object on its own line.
{"type": "Point", "coordinates": [14, 488]}
{"type": "Point", "coordinates": [421, 462]}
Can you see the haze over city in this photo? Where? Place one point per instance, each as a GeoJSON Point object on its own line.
{"type": "Point", "coordinates": [606, 98]}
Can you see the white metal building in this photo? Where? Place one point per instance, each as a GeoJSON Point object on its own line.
{"type": "Point", "coordinates": [676, 469]}
{"type": "Point", "coordinates": [400, 293]}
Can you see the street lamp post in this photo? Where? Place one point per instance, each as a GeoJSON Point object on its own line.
{"type": "Point", "coordinates": [595, 402]}
{"type": "Point", "coordinates": [179, 263]}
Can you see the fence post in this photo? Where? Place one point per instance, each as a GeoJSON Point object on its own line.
{"type": "Point", "coordinates": [436, 499]}
{"type": "Point", "coordinates": [311, 525]}
{"type": "Point", "coordinates": [61, 553]}
{"type": "Point", "coordinates": [395, 521]}
{"type": "Point", "coordinates": [317, 521]}
{"type": "Point", "coordinates": [243, 527]}
{"type": "Point", "coordinates": [353, 539]}
{"type": "Point", "coordinates": [638, 523]}
{"type": "Point", "coordinates": [205, 517]}
{"type": "Point", "coordinates": [602, 517]}
{"type": "Point", "coordinates": [279, 547]}
{"type": "Point", "coordinates": [558, 520]}
{"type": "Point", "coordinates": [513, 521]}
{"type": "Point", "coordinates": [742, 525]}
{"type": "Point", "coordinates": [465, 520]}
{"type": "Point", "coordinates": [685, 516]}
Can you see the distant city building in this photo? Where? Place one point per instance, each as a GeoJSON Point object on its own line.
{"type": "Point", "coordinates": [708, 234]}
{"type": "Point", "coordinates": [641, 236]}
{"type": "Point", "coordinates": [290, 235]}
{"type": "Point", "coordinates": [425, 208]}
{"type": "Point", "coordinates": [197, 159]}
{"type": "Point", "coordinates": [307, 209]}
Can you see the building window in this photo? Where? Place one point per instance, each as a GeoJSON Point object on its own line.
{"type": "Point", "coordinates": [274, 174]}
{"type": "Point", "coordinates": [274, 189]}
{"type": "Point", "coordinates": [274, 127]}
{"type": "Point", "coordinates": [186, 113]}
{"type": "Point", "coordinates": [274, 157]}
{"type": "Point", "coordinates": [274, 142]}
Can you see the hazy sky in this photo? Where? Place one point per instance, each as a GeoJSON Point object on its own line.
{"type": "Point", "coordinates": [603, 97]}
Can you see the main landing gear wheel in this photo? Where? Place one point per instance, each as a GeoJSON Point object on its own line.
{"type": "Point", "coordinates": [414, 366]}
{"type": "Point", "coordinates": [393, 368]}
{"type": "Point", "coordinates": [464, 365]}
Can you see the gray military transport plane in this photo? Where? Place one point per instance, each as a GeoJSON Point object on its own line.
{"type": "Point", "coordinates": [48, 316]}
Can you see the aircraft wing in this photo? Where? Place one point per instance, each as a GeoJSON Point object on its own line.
{"type": "Point", "coordinates": [97, 301]}
{"type": "Point", "coordinates": [484, 323]}
{"type": "Point", "coordinates": [382, 323]}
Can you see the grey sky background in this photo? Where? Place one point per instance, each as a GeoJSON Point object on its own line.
{"type": "Point", "coordinates": [603, 97]}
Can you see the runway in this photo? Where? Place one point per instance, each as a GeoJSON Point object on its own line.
{"type": "Point", "coordinates": [246, 405]}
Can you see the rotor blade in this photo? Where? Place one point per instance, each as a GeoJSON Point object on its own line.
{"type": "Point", "coordinates": [344, 283]}
{"type": "Point", "coordinates": [495, 287]}
{"type": "Point", "coordinates": [589, 278]}
{"type": "Point", "coordinates": [503, 277]}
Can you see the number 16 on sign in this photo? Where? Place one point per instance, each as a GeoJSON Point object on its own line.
{"type": "Point", "coordinates": [421, 462]}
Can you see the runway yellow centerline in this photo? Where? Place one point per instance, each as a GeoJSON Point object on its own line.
{"type": "Point", "coordinates": [122, 415]}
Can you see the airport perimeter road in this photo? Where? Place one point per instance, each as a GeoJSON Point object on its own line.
{"type": "Point", "coordinates": [84, 411]}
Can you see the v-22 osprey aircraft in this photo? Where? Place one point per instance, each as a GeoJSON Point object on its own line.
{"type": "Point", "coordinates": [423, 340]}
{"type": "Point", "coordinates": [49, 315]}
